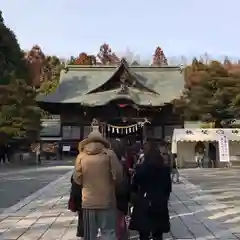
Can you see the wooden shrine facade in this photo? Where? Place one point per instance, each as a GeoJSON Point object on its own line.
{"type": "Point", "coordinates": [75, 125]}
{"type": "Point", "coordinates": [120, 97]}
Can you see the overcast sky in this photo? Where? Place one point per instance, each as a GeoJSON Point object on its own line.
{"type": "Point", "coordinates": [67, 27]}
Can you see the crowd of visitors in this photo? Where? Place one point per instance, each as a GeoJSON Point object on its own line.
{"type": "Point", "coordinates": [5, 151]}
{"type": "Point", "coordinates": [110, 183]}
{"type": "Point", "coordinates": [205, 158]}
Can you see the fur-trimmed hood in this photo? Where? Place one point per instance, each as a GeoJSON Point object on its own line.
{"type": "Point", "coordinates": [93, 144]}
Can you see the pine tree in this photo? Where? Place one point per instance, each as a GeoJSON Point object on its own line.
{"type": "Point", "coordinates": [12, 61]}
{"type": "Point", "coordinates": [1, 17]}
{"type": "Point", "coordinates": [19, 114]}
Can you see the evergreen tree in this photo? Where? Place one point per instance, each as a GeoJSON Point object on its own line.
{"type": "Point", "coordinates": [19, 114]}
{"type": "Point", "coordinates": [49, 86]}
{"type": "Point", "coordinates": [12, 63]}
{"type": "Point", "coordinates": [1, 17]}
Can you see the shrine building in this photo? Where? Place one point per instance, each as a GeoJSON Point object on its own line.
{"type": "Point", "coordinates": [133, 102]}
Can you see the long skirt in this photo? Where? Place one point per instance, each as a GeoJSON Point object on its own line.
{"type": "Point", "coordinates": [105, 219]}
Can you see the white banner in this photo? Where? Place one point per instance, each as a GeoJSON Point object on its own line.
{"type": "Point", "coordinates": [66, 148]}
{"type": "Point", "coordinates": [223, 146]}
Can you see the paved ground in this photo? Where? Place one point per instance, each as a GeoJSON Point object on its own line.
{"type": "Point", "coordinates": [45, 163]}
{"type": "Point", "coordinates": [44, 215]}
{"type": "Point", "coordinates": [224, 186]}
{"type": "Point", "coordinates": [223, 183]}
{"type": "Point", "coordinates": [17, 183]}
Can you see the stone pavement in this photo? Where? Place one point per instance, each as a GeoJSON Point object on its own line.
{"type": "Point", "coordinates": [44, 215]}
{"type": "Point", "coordinates": [224, 185]}
{"type": "Point", "coordinates": [16, 184]}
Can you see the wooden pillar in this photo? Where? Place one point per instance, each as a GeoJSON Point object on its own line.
{"type": "Point", "coordinates": [145, 131]}
{"type": "Point", "coordinates": [103, 129]}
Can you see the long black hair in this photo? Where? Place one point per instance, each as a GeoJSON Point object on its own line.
{"type": "Point", "coordinates": [118, 148]}
{"type": "Point", "coordinates": [153, 154]}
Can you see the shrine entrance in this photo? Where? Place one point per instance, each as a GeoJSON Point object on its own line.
{"type": "Point", "coordinates": [127, 130]}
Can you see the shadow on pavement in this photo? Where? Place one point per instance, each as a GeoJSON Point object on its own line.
{"type": "Point", "coordinates": [220, 189]}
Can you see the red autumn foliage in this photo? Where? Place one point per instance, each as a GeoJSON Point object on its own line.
{"type": "Point", "coordinates": [159, 58]}
{"type": "Point", "coordinates": [35, 59]}
{"type": "Point", "coordinates": [81, 59]}
{"type": "Point", "coordinates": [194, 73]}
{"type": "Point", "coordinates": [85, 59]}
{"type": "Point", "coordinates": [106, 55]}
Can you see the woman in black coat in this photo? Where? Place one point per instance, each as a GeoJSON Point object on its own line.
{"type": "Point", "coordinates": [151, 187]}
{"type": "Point", "coordinates": [122, 193]}
{"type": "Point", "coordinates": [123, 190]}
{"type": "Point", "coordinates": [75, 205]}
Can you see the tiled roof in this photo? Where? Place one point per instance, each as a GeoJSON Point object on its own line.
{"type": "Point", "coordinates": [78, 82]}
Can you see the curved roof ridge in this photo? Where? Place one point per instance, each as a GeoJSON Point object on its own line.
{"type": "Point", "coordinates": [77, 85]}
{"type": "Point", "coordinates": [127, 68]}
{"type": "Point", "coordinates": [84, 80]}
{"type": "Point", "coordinates": [107, 80]}
{"type": "Point", "coordinates": [110, 95]}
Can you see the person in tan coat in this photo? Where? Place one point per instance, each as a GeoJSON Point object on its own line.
{"type": "Point", "coordinates": [98, 171]}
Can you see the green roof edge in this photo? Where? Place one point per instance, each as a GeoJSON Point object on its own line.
{"type": "Point", "coordinates": [89, 67]}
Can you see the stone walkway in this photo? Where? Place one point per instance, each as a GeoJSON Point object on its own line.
{"type": "Point", "coordinates": [44, 215]}
{"type": "Point", "coordinates": [193, 215]}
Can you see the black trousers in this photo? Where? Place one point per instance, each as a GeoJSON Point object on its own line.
{"type": "Point", "coordinates": [155, 236]}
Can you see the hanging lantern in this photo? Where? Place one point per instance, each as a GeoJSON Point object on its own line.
{"type": "Point", "coordinates": [122, 105]}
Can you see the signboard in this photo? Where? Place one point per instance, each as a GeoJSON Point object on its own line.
{"type": "Point", "coordinates": [223, 145]}
{"type": "Point", "coordinates": [66, 148]}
